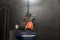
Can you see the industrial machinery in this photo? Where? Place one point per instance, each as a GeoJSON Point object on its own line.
{"type": "Point", "coordinates": [24, 30]}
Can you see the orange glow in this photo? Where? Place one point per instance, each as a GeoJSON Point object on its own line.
{"type": "Point", "coordinates": [29, 25]}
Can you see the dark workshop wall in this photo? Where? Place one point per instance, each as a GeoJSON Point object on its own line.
{"type": "Point", "coordinates": [3, 19]}
{"type": "Point", "coordinates": [47, 19]}
{"type": "Point", "coordinates": [2, 14]}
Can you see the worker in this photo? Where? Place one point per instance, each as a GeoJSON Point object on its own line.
{"type": "Point", "coordinates": [27, 21]}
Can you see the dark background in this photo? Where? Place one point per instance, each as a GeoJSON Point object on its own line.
{"type": "Point", "coordinates": [47, 19]}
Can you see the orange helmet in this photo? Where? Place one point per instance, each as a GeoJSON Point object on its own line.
{"type": "Point", "coordinates": [29, 25]}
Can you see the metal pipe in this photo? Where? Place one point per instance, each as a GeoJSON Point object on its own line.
{"type": "Point", "coordinates": [28, 6]}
